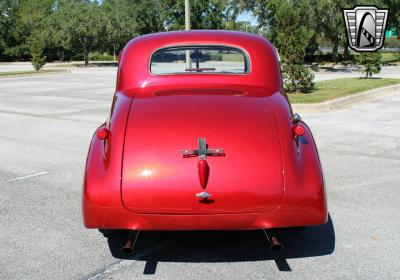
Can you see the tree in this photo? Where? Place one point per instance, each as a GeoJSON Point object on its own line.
{"type": "Point", "coordinates": [233, 9]}
{"type": "Point", "coordinates": [81, 23]}
{"type": "Point", "coordinates": [291, 32]}
{"type": "Point", "coordinates": [204, 14]}
{"type": "Point", "coordinates": [329, 18]}
{"type": "Point", "coordinates": [371, 63]}
{"type": "Point", "coordinates": [246, 26]}
{"type": "Point", "coordinates": [126, 19]}
{"type": "Point", "coordinates": [7, 19]}
{"type": "Point", "coordinates": [120, 23]}
{"type": "Point", "coordinates": [148, 16]}
{"type": "Point", "coordinates": [14, 27]}
{"type": "Point", "coordinates": [30, 29]}
{"type": "Point", "coordinates": [394, 12]}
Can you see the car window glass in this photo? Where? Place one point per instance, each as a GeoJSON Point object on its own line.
{"type": "Point", "coordinates": [199, 59]}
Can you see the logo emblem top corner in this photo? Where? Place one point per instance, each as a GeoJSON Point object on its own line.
{"type": "Point", "coordinates": [365, 26]}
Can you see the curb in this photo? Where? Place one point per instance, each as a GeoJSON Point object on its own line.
{"type": "Point", "coordinates": [43, 74]}
{"type": "Point", "coordinates": [347, 101]}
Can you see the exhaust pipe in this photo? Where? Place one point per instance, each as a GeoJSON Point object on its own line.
{"type": "Point", "coordinates": [273, 241]}
{"type": "Point", "coordinates": [127, 249]}
{"type": "Point", "coordinates": [275, 245]}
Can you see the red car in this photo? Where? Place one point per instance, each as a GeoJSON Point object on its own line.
{"type": "Point", "coordinates": [201, 136]}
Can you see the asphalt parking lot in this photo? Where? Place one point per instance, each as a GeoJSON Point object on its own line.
{"type": "Point", "coordinates": [46, 124]}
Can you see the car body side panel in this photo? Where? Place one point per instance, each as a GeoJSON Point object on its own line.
{"type": "Point", "coordinates": [102, 181]}
{"type": "Point", "coordinates": [304, 182]}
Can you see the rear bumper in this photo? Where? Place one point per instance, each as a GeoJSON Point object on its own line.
{"type": "Point", "coordinates": [120, 218]}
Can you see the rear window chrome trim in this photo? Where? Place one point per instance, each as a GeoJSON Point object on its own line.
{"type": "Point", "coordinates": [242, 51]}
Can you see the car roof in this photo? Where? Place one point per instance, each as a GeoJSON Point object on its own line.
{"type": "Point", "coordinates": [134, 64]}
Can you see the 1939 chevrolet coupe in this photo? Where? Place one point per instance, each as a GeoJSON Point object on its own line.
{"type": "Point", "coordinates": [201, 136]}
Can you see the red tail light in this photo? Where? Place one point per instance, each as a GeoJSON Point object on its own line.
{"type": "Point", "coordinates": [298, 130]}
{"type": "Point", "coordinates": [102, 133]}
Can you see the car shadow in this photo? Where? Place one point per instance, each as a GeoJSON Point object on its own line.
{"type": "Point", "coordinates": [226, 246]}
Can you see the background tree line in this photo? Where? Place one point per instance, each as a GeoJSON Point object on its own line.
{"type": "Point", "coordinates": [48, 30]}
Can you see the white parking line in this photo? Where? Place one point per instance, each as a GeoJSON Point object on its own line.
{"type": "Point", "coordinates": [24, 177]}
{"type": "Point", "coordinates": [111, 269]}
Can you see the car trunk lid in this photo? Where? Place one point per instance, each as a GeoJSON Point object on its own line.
{"type": "Point", "coordinates": [158, 178]}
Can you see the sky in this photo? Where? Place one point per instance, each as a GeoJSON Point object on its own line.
{"type": "Point", "coordinates": [247, 16]}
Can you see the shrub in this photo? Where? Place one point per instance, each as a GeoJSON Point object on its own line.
{"type": "Point", "coordinates": [38, 62]}
{"type": "Point", "coordinates": [297, 77]}
{"type": "Point", "coordinates": [38, 58]}
{"type": "Point", "coordinates": [96, 56]}
{"type": "Point", "coordinates": [392, 42]}
{"type": "Point", "coordinates": [370, 62]}
{"type": "Point", "coordinates": [77, 57]}
{"type": "Point", "coordinates": [327, 57]}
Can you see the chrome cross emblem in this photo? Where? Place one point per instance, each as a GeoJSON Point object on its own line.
{"type": "Point", "coordinates": [203, 152]}
{"type": "Point", "coordinates": [203, 168]}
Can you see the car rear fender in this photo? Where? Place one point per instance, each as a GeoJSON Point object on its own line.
{"type": "Point", "coordinates": [303, 176]}
{"type": "Point", "coordinates": [102, 180]}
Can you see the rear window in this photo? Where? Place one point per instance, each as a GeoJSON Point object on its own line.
{"type": "Point", "coordinates": [199, 59]}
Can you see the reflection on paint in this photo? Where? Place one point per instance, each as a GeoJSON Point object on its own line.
{"type": "Point", "coordinates": [146, 172]}
{"type": "Point", "coordinates": [144, 84]}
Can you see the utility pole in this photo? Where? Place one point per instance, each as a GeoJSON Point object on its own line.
{"type": "Point", "coordinates": [187, 27]}
{"type": "Point", "coordinates": [187, 15]}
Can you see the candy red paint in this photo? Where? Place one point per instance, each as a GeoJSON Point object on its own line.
{"type": "Point", "coordinates": [204, 171]}
{"type": "Point", "coordinates": [138, 178]}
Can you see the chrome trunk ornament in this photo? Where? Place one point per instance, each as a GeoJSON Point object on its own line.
{"type": "Point", "coordinates": [203, 151]}
{"type": "Point", "coordinates": [202, 167]}
{"type": "Point", "coordinates": [204, 195]}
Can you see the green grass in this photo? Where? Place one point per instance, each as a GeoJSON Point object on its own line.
{"type": "Point", "coordinates": [390, 57]}
{"type": "Point", "coordinates": [30, 72]}
{"type": "Point", "coordinates": [332, 89]}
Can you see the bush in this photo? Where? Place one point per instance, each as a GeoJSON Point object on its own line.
{"type": "Point", "coordinates": [38, 62]}
{"type": "Point", "coordinates": [370, 62]}
{"type": "Point", "coordinates": [297, 77]}
{"type": "Point", "coordinates": [38, 58]}
{"type": "Point", "coordinates": [327, 57]}
{"type": "Point", "coordinates": [77, 57]}
{"type": "Point", "coordinates": [392, 42]}
{"type": "Point", "coordinates": [96, 56]}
